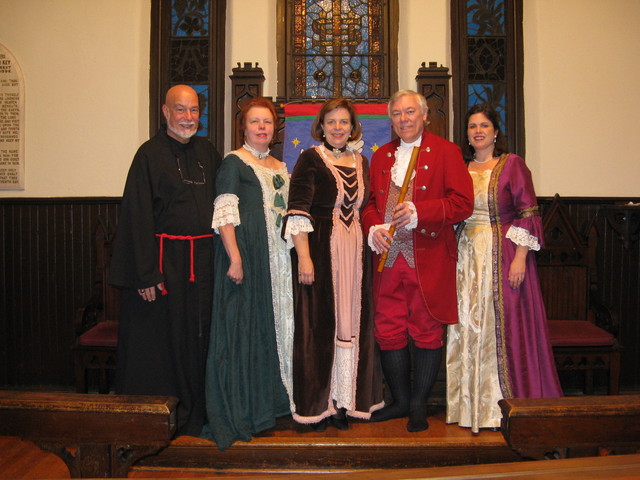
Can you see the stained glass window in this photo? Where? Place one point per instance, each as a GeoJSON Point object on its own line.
{"type": "Point", "coordinates": [189, 49]}
{"type": "Point", "coordinates": [339, 48]}
{"type": "Point", "coordinates": [487, 53]}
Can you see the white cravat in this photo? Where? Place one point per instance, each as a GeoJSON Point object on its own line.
{"type": "Point", "coordinates": [403, 157]}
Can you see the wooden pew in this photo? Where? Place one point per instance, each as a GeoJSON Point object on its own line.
{"type": "Point", "coordinates": [571, 426]}
{"type": "Point", "coordinates": [592, 468]}
{"type": "Point", "coordinates": [95, 435]}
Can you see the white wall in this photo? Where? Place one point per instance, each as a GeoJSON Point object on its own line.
{"type": "Point", "coordinates": [582, 99]}
{"type": "Point", "coordinates": [251, 37]}
{"type": "Point", "coordinates": [86, 71]}
{"type": "Point", "coordinates": [424, 37]}
{"type": "Point", "coordinates": [86, 63]}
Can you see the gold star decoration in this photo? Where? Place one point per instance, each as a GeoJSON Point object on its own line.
{"type": "Point", "coordinates": [295, 142]}
{"type": "Point", "coordinates": [374, 147]}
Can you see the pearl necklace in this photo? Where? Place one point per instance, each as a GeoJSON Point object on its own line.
{"type": "Point", "coordinates": [483, 161]}
{"type": "Point", "coordinates": [259, 155]}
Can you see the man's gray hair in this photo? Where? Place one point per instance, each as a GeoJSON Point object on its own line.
{"type": "Point", "coordinates": [401, 93]}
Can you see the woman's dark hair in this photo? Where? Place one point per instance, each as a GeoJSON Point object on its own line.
{"type": "Point", "coordinates": [501, 140]}
{"type": "Point", "coordinates": [257, 102]}
{"type": "Point", "coordinates": [329, 106]}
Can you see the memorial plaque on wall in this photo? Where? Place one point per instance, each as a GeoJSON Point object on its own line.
{"type": "Point", "coordinates": [11, 122]}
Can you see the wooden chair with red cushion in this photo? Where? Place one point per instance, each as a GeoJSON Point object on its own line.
{"type": "Point", "coordinates": [97, 321]}
{"type": "Point", "coordinates": [581, 329]}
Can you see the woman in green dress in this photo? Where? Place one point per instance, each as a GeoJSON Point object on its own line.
{"type": "Point", "coordinates": [248, 383]}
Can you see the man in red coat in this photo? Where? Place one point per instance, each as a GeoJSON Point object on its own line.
{"type": "Point", "coordinates": [415, 294]}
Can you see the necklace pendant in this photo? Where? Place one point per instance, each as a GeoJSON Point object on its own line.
{"type": "Point", "coordinates": [337, 152]}
{"type": "Point", "coordinates": [256, 153]}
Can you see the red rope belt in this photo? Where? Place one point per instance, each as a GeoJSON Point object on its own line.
{"type": "Point", "coordinates": [162, 236]}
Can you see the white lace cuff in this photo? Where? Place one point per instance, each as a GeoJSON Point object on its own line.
{"type": "Point", "coordinates": [413, 222]}
{"type": "Point", "coordinates": [296, 224]}
{"type": "Point", "coordinates": [373, 230]}
{"type": "Point", "coordinates": [225, 211]}
{"type": "Point", "coordinates": [521, 236]}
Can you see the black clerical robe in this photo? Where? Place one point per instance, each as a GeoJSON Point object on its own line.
{"type": "Point", "coordinates": [162, 344]}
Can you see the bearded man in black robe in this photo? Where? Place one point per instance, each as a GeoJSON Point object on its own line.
{"type": "Point", "coordinates": [163, 261]}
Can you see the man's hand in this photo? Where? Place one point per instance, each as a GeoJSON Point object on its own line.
{"type": "Point", "coordinates": [381, 240]}
{"type": "Point", "coordinates": [401, 215]}
{"type": "Point", "coordinates": [149, 294]}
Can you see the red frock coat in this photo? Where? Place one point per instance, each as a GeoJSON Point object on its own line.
{"type": "Point", "coordinates": [443, 196]}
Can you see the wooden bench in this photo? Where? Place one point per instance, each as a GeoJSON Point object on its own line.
{"type": "Point", "coordinates": [95, 435]}
{"type": "Point", "coordinates": [615, 466]}
{"type": "Point", "coordinates": [571, 426]}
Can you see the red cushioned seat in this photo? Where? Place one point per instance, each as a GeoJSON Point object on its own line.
{"type": "Point", "coordinates": [578, 333]}
{"type": "Point", "coordinates": [104, 334]}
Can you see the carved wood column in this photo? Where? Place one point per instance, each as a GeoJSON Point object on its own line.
{"type": "Point", "coordinates": [246, 83]}
{"type": "Point", "coordinates": [433, 83]}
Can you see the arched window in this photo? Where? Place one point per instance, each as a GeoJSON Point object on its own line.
{"type": "Point", "coordinates": [488, 63]}
{"type": "Point", "coordinates": [337, 48]}
{"type": "Point", "coordinates": [187, 46]}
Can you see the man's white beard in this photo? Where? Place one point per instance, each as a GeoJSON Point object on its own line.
{"type": "Point", "coordinates": [182, 135]}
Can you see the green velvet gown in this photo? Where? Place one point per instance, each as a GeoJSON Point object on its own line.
{"type": "Point", "coordinates": [249, 359]}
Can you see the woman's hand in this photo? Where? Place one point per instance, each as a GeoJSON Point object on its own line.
{"type": "Point", "coordinates": [305, 270]}
{"type": "Point", "coordinates": [518, 267]}
{"type": "Point", "coordinates": [235, 272]}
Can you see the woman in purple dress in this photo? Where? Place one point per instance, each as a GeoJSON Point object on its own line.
{"type": "Point", "coordinates": [500, 348]}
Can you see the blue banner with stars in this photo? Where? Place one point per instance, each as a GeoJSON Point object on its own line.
{"type": "Point", "coordinates": [376, 129]}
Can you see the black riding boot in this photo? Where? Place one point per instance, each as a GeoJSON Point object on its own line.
{"type": "Point", "coordinates": [396, 366]}
{"type": "Point", "coordinates": [427, 364]}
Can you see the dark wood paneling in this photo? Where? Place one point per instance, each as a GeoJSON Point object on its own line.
{"type": "Point", "coordinates": [618, 270]}
{"type": "Point", "coordinates": [46, 272]}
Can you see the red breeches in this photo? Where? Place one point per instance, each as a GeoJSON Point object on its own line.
{"type": "Point", "coordinates": [401, 310]}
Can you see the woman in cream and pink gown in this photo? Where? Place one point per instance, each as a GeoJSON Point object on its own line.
{"type": "Point", "coordinates": [500, 348]}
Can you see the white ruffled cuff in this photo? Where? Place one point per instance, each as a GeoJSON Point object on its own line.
{"type": "Point", "coordinates": [373, 230]}
{"type": "Point", "coordinates": [296, 224]}
{"type": "Point", "coordinates": [413, 222]}
{"type": "Point", "coordinates": [225, 211]}
{"type": "Point", "coordinates": [521, 236]}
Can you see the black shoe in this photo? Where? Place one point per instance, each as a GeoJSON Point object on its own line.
{"type": "Point", "coordinates": [341, 423]}
{"type": "Point", "coordinates": [388, 413]}
{"type": "Point", "coordinates": [417, 422]}
{"type": "Point", "coordinates": [321, 426]}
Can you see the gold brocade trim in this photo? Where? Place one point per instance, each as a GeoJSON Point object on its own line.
{"type": "Point", "coordinates": [529, 212]}
{"type": "Point", "coordinates": [498, 298]}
